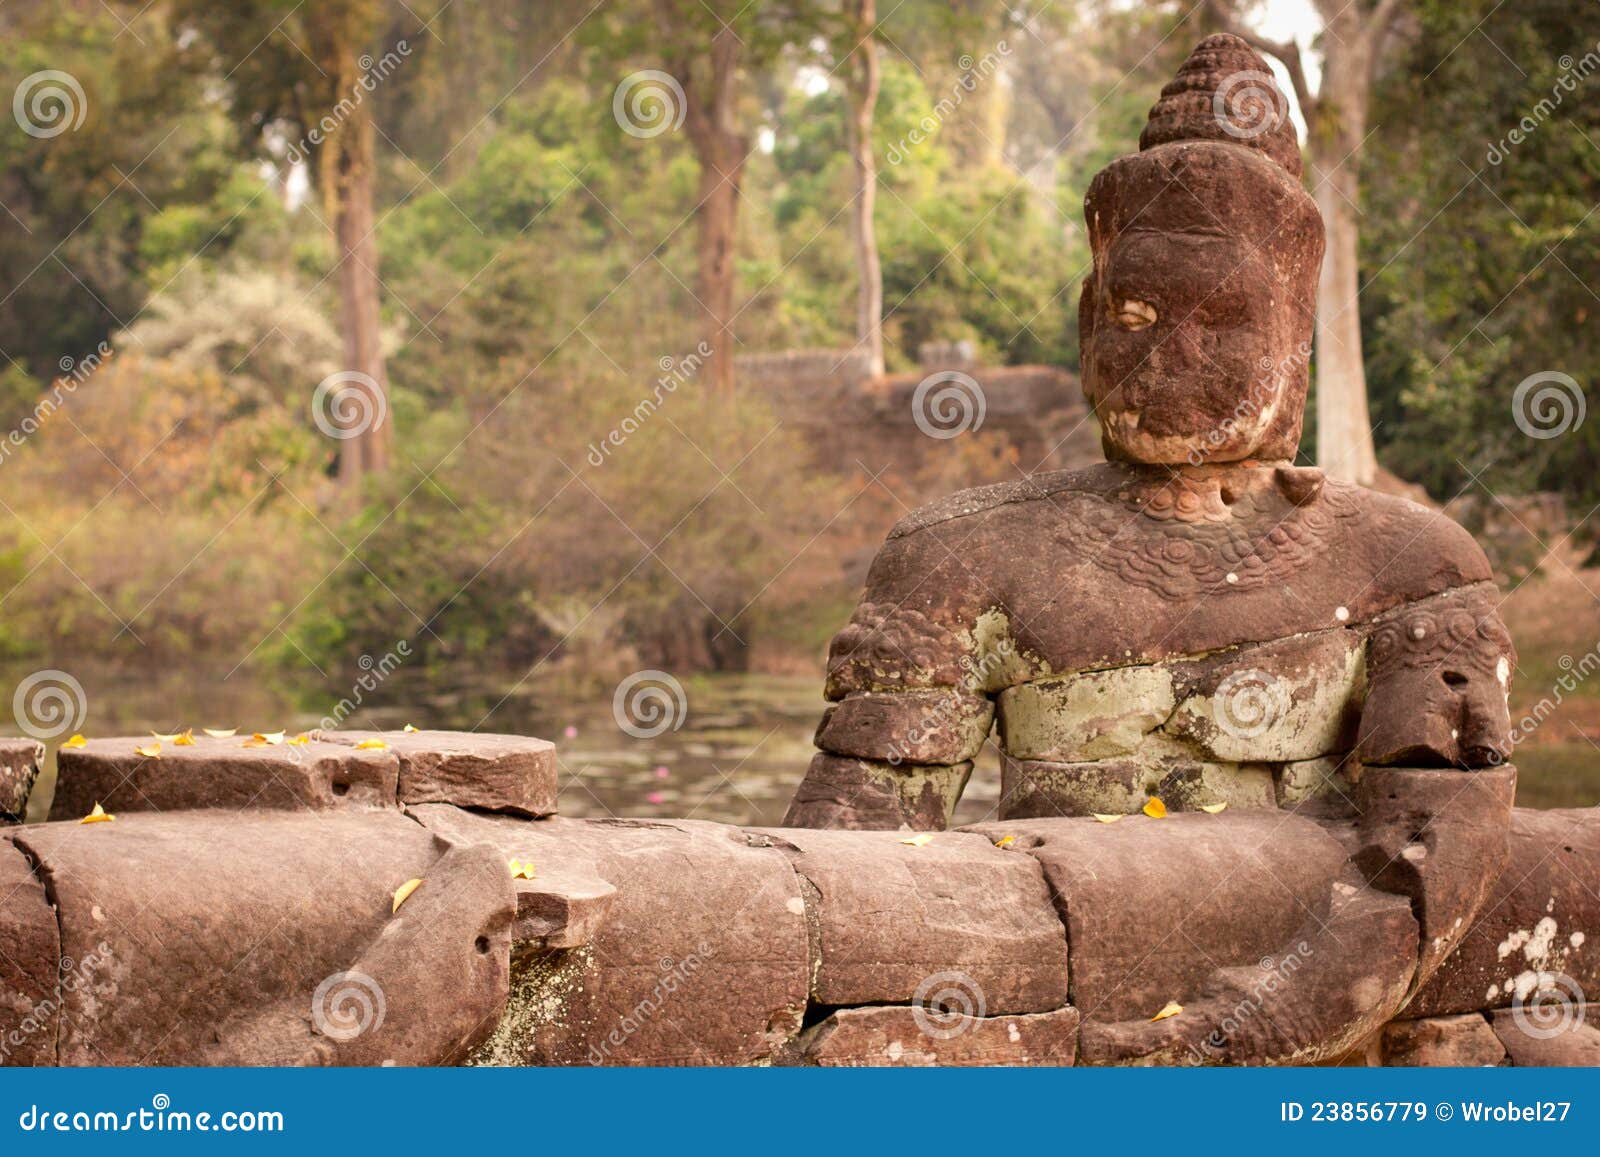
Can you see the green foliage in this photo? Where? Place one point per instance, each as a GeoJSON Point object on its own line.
{"type": "Point", "coordinates": [1483, 249]}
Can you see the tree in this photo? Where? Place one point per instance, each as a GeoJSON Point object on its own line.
{"type": "Point", "coordinates": [862, 82]}
{"type": "Point", "coordinates": [301, 69]}
{"type": "Point", "coordinates": [1353, 36]}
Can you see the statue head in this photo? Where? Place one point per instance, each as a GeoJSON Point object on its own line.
{"type": "Point", "coordinates": [1195, 323]}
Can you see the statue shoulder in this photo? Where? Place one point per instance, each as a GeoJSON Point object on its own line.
{"type": "Point", "coordinates": [986, 501]}
{"type": "Point", "coordinates": [1416, 549]}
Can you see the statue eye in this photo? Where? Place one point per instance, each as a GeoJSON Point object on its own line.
{"type": "Point", "coordinates": [1133, 314]}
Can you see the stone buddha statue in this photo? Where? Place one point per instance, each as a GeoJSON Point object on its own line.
{"type": "Point", "coordinates": [1198, 618]}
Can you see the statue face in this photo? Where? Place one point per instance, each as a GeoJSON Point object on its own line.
{"type": "Point", "coordinates": [1188, 353]}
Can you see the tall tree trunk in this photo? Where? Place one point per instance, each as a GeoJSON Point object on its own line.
{"type": "Point", "coordinates": [346, 177]}
{"type": "Point", "coordinates": [711, 120]}
{"type": "Point", "coordinates": [1344, 426]}
{"type": "Point", "coordinates": [863, 86]}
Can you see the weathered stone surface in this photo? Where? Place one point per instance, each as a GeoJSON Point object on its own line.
{"type": "Point", "coordinates": [1035, 789]}
{"type": "Point", "coordinates": [1094, 716]}
{"type": "Point", "coordinates": [1462, 1041]}
{"type": "Point", "coordinates": [31, 975]}
{"type": "Point", "coordinates": [20, 760]}
{"type": "Point", "coordinates": [703, 958]}
{"type": "Point", "coordinates": [893, 920]}
{"type": "Point", "coordinates": [1299, 698]}
{"type": "Point", "coordinates": [878, 1037]}
{"type": "Point", "coordinates": [509, 773]}
{"type": "Point", "coordinates": [560, 908]}
{"type": "Point", "coordinates": [1314, 1000]}
{"type": "Point", "coordinates": [1144, 899]}
{"type": "Point", "coordinates": [220, 773]}
{"type": "Point", "coordinates": [861, 794]}
{"type": "Point", "coordinates": [246, 959]}
{"type": "Point", "coordinates": [1438, 838]}
{"type": "Point", "coordinates": [1311, 779]}
{"type": "Point", "coordinates": [1562, 1043]}
{"type": "Point", "coordinates": [934, 727]}
{"type": "Point", "coordinates": [1441, 670]}
{"type": "Point", "coordinates": [1542, 916]}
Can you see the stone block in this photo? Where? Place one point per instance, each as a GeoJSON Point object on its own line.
{"type": "Point", "coordinates": [894, 921]}
{"type": "Point", "coordinates": [506, 773]}
{"type": "Point", "coordinates": [20, 760]}
{"type": "Point", "coordinates": [1092, 716]}
{"type": "Point", "coordinates": [937, 727]}
{"type": "Point", "coordinates": [1461, 1041]}
{"type": "Point", "coordinates": [31, 972]}
{"type": "Point", "coordinates": [220, 773]}
{"type": "Point", "coordinates": [901, 1036]}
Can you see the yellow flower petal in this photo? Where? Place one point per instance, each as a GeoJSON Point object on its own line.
{"type": "Point", "coordinates": [521, 869]}
{"type": "Point", "coordinates": [1172, 1008]}
{"type": "Point", "coordinates": [221, 732]}
{"type": "Point", "coordinates": [920, 840]}
{"type": "Point", "coordinates": [1213, 808]}
{"type": "Point", "coordinates": [150, 750]}
{"type": "Point", "coordinates": [184, 738]}
{"type": "Point", "coordinates": [403, 892]}
{"type": "Point", "coordinates": [1005, 841]}
{"type": "Point", "coordinates": [300, 740]}
{"type": "Point", "coordinates": [408, 728]}
{"type": "Point", "coordinates": [271, 738]}
{"type": "Point", "coordinates": [76, 741]}
{"type": "Point", "coordinates": [1154, 808]}
{"type": "Point", "coordinates": [372, 745]}
{"type": "Point", "coordinates": [1105, 819]}
{"type": "Point", "coordinates": [165, 738]}
{"type": "Point", "coordinates": [98, 816]}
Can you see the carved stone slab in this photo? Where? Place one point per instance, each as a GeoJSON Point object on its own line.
{"type": "Point", "coordinates": [220, 773]}
{"type": "Point", "coordinates": [509, 773]}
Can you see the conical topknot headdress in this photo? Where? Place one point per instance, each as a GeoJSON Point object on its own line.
{"type": "Point", "coordinates": [1225, 92]}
